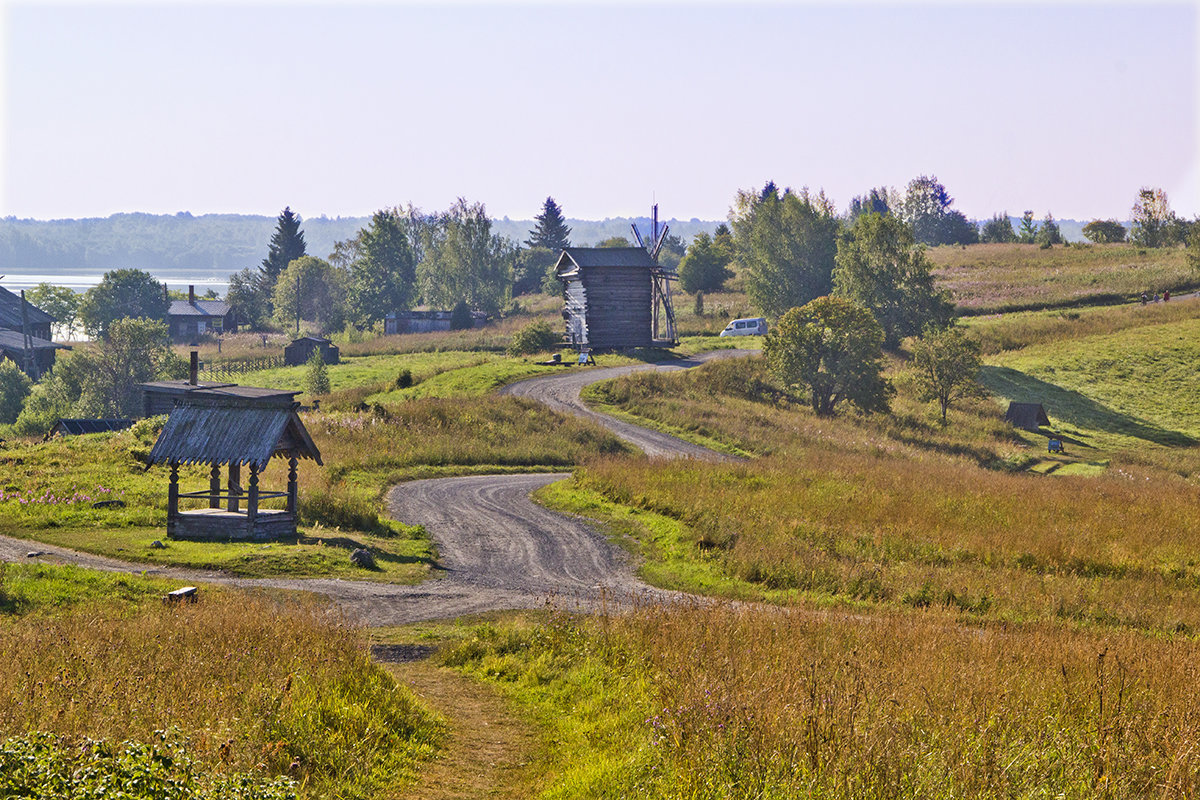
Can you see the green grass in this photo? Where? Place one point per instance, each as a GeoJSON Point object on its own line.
{"type": "Point", "coordinates": [1128, 389]}
{"type": "Point", "coordinates": [40, 588]}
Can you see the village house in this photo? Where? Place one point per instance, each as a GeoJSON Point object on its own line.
{"type": "Point", "coordinates": [12, 334]}
{"type": "Point", "coordinates": [190, 319]}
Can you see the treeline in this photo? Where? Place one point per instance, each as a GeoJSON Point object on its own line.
{"type": "Point", "coordinates": [222, 242]}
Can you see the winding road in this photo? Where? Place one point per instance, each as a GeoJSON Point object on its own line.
{"type": "Point", "coordinates": [497, 548]}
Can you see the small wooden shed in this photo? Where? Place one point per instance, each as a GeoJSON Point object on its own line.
{"type": "Point", "coordinates": [609, 298]}
{"type": "Point", "coordinates": [302, 349]}
{"type": "Point", "coordinates": [1029, 416]}
{"type": "Point", "coordinates": [226, 432]}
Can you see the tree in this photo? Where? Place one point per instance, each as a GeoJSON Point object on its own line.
{"type": "Point", "coordinates": [59, 302]}
{"type": "Point", "coordinates": [705, 268]}
{"type": "Point", "coordinates": [532, 270]}
{"type": "Point", "coordinates": [287, 244]}
{"type": "Point", "coordinates": [1104, 231]}
{"type": "Point", "coordinates": [615, 241]}
{"type": "Point", "coordinates": [833, 348]}
{"type": "Point", "coordinates": [460, 317]}
{"type": "Point", "coordinates": [1193, 247]}
{"type": "Point", "coordinates": [926, 209]}
{"type": "Point", "coordinates": [551, 230]}
{"type": "Point", "coordinates": [250, 298]}
{"type": "Point", "coordinates": [14, 388]}
{"type": "Point", "coordinates": [120, 294]}
{"type": "Point", "coordinates": [464, 260]}
{"type": "Point", "coordinates": [383, 271]}
{"type": "Point", "coordinates": [316, 377]}
{"type": "Point", "coordinates": [135, 351]}
{"type": "Point", "coordinates": [315, 287]}
{"type": "Point", "coordinates": [945, 365]}
{"type": "Point", "coordinates": [1029, 229]}
{"type": "Point", "coordinates": [1049, 234]}
{"type": "Point", "coordinates": [785, 245]}
{"type": "Point", "coordinates": [54, 396]}
{"type": "Point", "coordinates": [876, 201]}
{"type": "Point", "coordinates": [1152, 219]}
{"type": "Point", "coordinates": [998, 230]}
{"type": "Point", "coordinates": [882, 268]}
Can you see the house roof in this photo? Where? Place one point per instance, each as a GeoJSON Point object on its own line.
{"type": "Point", "coordinates": [14, 340]}
{"type": "Point", "coordinates": [574, 258]}
{"type": "Point", "coordinates": [10, 311]}
{"type": "Point", "coordinates": [223, 394]}
{"type": "Point", "coordinates": [76, 427]}
{"type": "Point", "coordinates": [197, 434]}
{"type": "Point", "coordinates": [200, 308]}
{"type": "Point", "coordinates": [1029, 416]}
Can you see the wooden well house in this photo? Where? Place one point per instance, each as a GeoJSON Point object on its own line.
{"type": "Point", "coordinates": [232, 427]}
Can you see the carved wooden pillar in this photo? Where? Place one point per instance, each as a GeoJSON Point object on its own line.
{"type": "Point", "coordinates": [252, 498]}
{"type": "Point", "coordinates": [293, 486]}
{"type": "Point", "coordinates": [173, 492]}
{"type": "Point", "coordinates": [214, 487]}
{"type": "Point", "coordinates": [235, 486]}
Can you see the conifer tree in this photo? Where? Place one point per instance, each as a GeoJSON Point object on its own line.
{"type": "Point", "coordinates": [551, 231]}
{"type": "Point", "coordinates": [287, 244]}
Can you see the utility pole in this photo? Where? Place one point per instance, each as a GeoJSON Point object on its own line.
{"type": "Point", "coordinates": [297, 302]}
{"type": "Point", "coordinates": [30, 364]}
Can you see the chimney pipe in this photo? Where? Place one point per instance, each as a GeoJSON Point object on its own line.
{"type": "Point", "coordinates": [191, 294]}
{"type": "Point", "coordinates": [194, 368]}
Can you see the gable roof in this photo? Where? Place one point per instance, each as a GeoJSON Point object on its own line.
{"type": "Point", "coordinates": [576, 258]}
{"type": "Point", "coordinates": [15, 340]}
{"type": "Point", "coordinates": [10, 311]}
{"type": "Point", "coordinates": [1029, 416]}
{"type": "Point", "coordinates": [200, 308]}
{"type": "Point", "coordinates": [232, 435]}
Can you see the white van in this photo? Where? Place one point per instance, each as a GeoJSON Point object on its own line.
{"type": "Point", "coordinates": [750, 326]}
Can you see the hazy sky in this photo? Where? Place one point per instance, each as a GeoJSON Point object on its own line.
{"type": "Point", "coordinates": [340, 110]}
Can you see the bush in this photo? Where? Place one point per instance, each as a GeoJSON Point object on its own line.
{"type": "Point", "coordinates": [14, 388]}
{"type": "Point", "coordinates": [460, 317]}
{"type": "Point", "coordinates": [317, 380]}
{"type": "Point", "coordinates": [536, 337]}
{"type": "Point", "coordinates": [405, 379]}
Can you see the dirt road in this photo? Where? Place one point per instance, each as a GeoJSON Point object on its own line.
{"type": "Point", "coordinates": [497, 549]}
{"type": "Point", "coordinates": [561, 392]}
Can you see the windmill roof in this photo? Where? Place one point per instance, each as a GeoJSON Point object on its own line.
{"type": "Point", "coordinates": [592, 257]}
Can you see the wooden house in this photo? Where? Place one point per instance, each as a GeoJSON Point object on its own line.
{"type": "Point", "coordinates": [609, 297]}
{"type": "Point", "coordinates": [16, 314]}
{"type": "Point", "coordinates": [232, 431]}
{"type": "Point", "coordinates": [190, 319]}
{"type": "Point", "coordinates": [302, 349]}
{"type": "Point", "coordinates": [425, 321]}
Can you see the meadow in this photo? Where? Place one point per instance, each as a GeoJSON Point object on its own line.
{"type": "Point", "coordinates": [234, 696]}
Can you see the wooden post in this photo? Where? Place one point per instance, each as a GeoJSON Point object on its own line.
{"type": "Point", "coordinates": [235, 487]}
{"type": "Point", "coordinates": [214, 487]}
{"type": "Point", "coordinates": [173, 492]}
{"type": "Point", "coordinates": [252, 500]}
{"type": "Point", "coordinates": [293, 486]}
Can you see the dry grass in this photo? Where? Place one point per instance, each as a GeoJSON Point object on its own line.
{"type": "Point", "coordinates": [257, 687]}
{"type": "Point", "coordinates": [1005, 277]}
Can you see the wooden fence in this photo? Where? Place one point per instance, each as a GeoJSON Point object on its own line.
{"type": "Point", "coordinates": [228, 370]}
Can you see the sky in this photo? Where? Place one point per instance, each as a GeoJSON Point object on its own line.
{"type": "Point", "coordinates": [339, 110]}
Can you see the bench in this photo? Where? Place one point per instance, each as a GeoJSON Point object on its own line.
{"type": "Point", "coordinates": [181, 595]}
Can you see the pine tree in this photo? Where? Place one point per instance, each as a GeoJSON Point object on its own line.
{"type": "Point", "coordinates": [286, 245]}
{"type": "Point", "coordinates": [551, 231]}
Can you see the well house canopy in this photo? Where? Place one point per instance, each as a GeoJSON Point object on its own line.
{"type": "Point", "coordinates": [232, 435]}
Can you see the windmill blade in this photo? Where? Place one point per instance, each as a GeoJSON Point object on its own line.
{"type": "Point", "coordinates": [637, 236]}
{"type": "Point", "coordinates": [662, 237]}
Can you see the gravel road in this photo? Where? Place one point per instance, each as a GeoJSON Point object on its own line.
{"type": "Point", "coordinates": [497, 549]}
{"type": "Point", "coordinates": [561, 393]}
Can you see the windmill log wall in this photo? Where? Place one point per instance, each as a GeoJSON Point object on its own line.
{"type": "Point", "coordinates": [619, 301]}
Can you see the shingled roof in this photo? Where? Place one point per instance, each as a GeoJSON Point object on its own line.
{"type": "Point", "coordinates": [199, 308]}
{"type": "Point", "coordinates": [232, 435]}
{"type": "Point", "coordinates": [573, 258]}
{"type": "Point", "coordinates": [10, 311]}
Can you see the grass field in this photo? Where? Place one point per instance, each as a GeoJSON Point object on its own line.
{"type": "Point", "coordinates": [235, 696]}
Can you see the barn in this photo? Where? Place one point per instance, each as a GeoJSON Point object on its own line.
{"type": "Point", "coordinates": [612, 297]}
{"type": "Point", "coordinates": [302, 349]}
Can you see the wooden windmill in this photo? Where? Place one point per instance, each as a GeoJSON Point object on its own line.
{"type": "Point", "coordinates": [661, 277]}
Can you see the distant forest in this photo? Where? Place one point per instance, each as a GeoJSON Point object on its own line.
{"type": "Point", "coordinates": [227, 242]}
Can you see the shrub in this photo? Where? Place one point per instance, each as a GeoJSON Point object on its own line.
{"type": "Point", "coordinates": [536, 337]}
{"type": "Point", "coordinates": [405, 379]}
{"type": "Point", "coordinates": [317, 379]}
{"type": "Point", "coordinates": [460, 316]}
{"type": "Point", "coordinates": [14, 388]}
